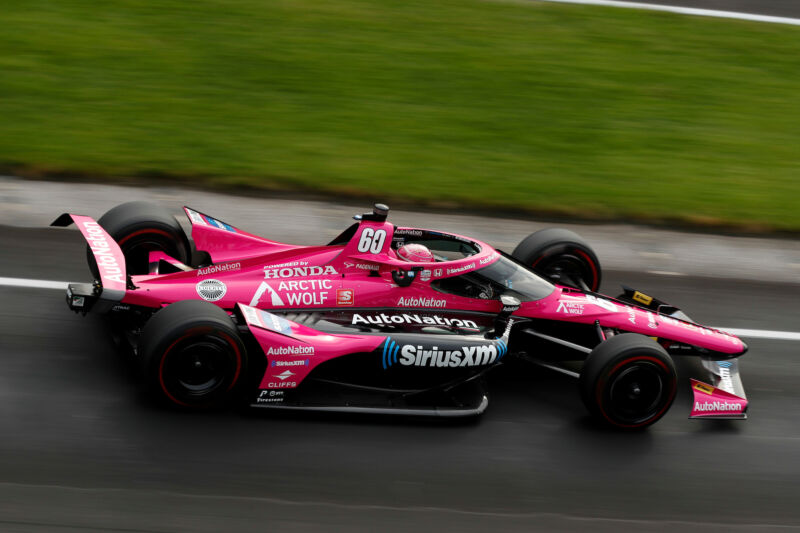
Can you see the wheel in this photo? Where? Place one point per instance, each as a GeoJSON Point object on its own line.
{"type": "Point", "coordinates": [628, 381]}
{"type": "Point", "coordinates": [191, 354]}
{"type": "Point", "coordinates": [140, 228]}
{"type": "Point", "coordinates": [561, 256]}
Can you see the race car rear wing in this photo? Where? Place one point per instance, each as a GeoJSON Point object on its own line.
{"type": "Point", "coordinates": [110, 287]}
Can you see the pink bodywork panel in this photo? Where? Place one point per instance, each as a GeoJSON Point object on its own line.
{"type": "Point", "coordinates": [294, 350]}
{"type": "Point", "coordinates": [711, 402]}
{"type": "Point", "coordinates": [224, 243]}
{"type": "Point", "coordinates": [574, 306]}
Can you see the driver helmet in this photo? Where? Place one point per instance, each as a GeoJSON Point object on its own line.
{"type": "Point", "coordinates": [416, 253]}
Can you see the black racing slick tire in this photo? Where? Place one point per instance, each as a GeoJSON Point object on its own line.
{"type": "Point", "coordinates": [561, 256]}
{"type": "Point", "coordinates": [140, 228]}
{"type": "Point", "coordinates": [628, 381]}
{"type": "Point", "coordinates": [191, 355]}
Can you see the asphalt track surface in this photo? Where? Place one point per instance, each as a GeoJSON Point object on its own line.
{"type": "Point", "coordinates": [83, 450]}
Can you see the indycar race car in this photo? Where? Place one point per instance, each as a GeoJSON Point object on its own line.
{"type": "Point", "coordinates": [385, 319]}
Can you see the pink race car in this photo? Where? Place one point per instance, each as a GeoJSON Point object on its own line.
{"type": "Point", "coordinates": [385, 319]}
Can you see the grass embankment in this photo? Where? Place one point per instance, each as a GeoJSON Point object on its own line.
{"type": "Point", "coordinates": [539, 107]}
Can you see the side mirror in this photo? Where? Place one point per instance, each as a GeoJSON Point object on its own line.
{"type": "Point", "coordinates": [510, 304]}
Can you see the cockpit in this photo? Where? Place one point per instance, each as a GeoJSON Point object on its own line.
{"type": "Point", "coordinates": [504, 276]}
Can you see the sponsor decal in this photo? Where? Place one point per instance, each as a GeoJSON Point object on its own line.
{"type": "Point", "coordinates": [275, 299]}
{"type": "Point", "coordinates": [463, 356]}
{"type": "Point", "coordinates": [406, 318]}
{"type": "Point", "coordinates": [104, 256]}
{"type": "Point", "coordinates": [651, 321]}
{"type": "Point", "coordinates": [425, 275]}
{"type": "Point", "coordinates": [642, 298]}
{"type": "Point", "coordinates": [290, 350]}
{"type": "Point", "coordinates": [305, 285]}
{"type": "Point", "coordinates": [719, 406]}
{"type": "Point", "coordinates": [270, 396]}
{"type": "Point", "coordinates": [301, 271]}
{"type": "Point", "coordinates": [251, 316]}
{"type": "Point", "coordinates": [345, 297]}
{"type": "Point", "coordinates": [491, 257]}
{"type": "Point", "coordinates": [296, 362]}
{"type": "Point", "coordinates": [438, 272]}
{"type": "Point", "coordinates": [211, 290]}
{"type": "Point", "coordinates": [275, 323]}
{"type": "Point", "coordinates": [281, 384]}
{"type": "Point", "coordinates": [421, 302]}
{"type": "Point", "coordinates": [601, 302]}
{"type": "Point", "coordinates": [362, 266]}
{"type": "Point", "coordinates": [725, 381]}
{"type": "Point", "coordinates": [702, 387]}
{"type": "Point", "coordinates": [214, 269]}
{"type": "Point", "coordinates": [195, 217]}
{"type": "Point", "coordinates": [406, 231]}
{"type": "Point", "coordinates": [462, 268]}
{"type": "Point", "coordinates": [283, 376]}
{"type": "Point", "coordinates": [631, 315]}
{"type": "Point", "coordinates": [303, 292]}
{"type": "Point", "coordinates": [570, 308]}
{"type": "Point", "coordinates": [371, 240]}
{"type": "Point", "coordinates": [218, 224]}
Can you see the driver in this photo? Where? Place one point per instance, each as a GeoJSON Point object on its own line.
{"type": "Point", "coordinates": [415, 253]}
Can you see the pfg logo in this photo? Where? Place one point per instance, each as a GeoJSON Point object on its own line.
{"type": "Point", "coordinates": [463, 356]}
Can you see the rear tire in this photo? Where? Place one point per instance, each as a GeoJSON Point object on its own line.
{"type": "Point", "coordinates": [628, 381]}
{"type": "Point", "coordinates": [561, 256]}
{"type": "Point", "coordinates": [191, 355]}
{"type": "Point", "coordinates": [140, 228]}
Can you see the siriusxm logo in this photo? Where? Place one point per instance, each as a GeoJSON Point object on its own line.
{"type": "Point", "coordinates": [296, 362]}
{"type": "Point", "coordinates": [463, 356]}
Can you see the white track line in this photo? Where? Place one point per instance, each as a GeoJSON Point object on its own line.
{"type": "Point", "coordinates": [685, 11]}
{"type": "Point", "coordinates": [762, 334]}
{"type": "Point", "coordinates": [33, 283]}
{"type": "Point", "coordinates": [747, 333]}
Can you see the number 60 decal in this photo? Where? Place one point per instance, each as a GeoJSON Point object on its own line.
{"type": "Point", "coordinates": [372, 240]}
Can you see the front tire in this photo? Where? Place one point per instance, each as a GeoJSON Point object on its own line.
{"type": "Point", "coordinates": [140, 228]}
{"type": "Point", "coordinates": [192, 355]}
{"type": "Point", "coordinates": [561, 256]}
{"type": "Point", "coordinates": [628, 381]}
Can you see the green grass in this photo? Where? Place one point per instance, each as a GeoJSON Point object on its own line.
{"type": "Point", "coordinates": [551, 109]}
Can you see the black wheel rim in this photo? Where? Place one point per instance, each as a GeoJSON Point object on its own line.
{"type": "Point", "coordinates": [637, 393]}
{"type": "Point", "coordinates": [567, 269]}
{"type": "Point", "coordinates": [198, 368]}
{"type": "Point", "coordinates": [137, 252]}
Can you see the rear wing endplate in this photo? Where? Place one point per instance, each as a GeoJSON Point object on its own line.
{"type": "Point", "coordinates": [110, 265]}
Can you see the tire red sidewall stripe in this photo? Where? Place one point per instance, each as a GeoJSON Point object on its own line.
{"type": "Point", "coordinates": [227, 337]}
{"type": "Point", "coordinates": [601, 384]}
